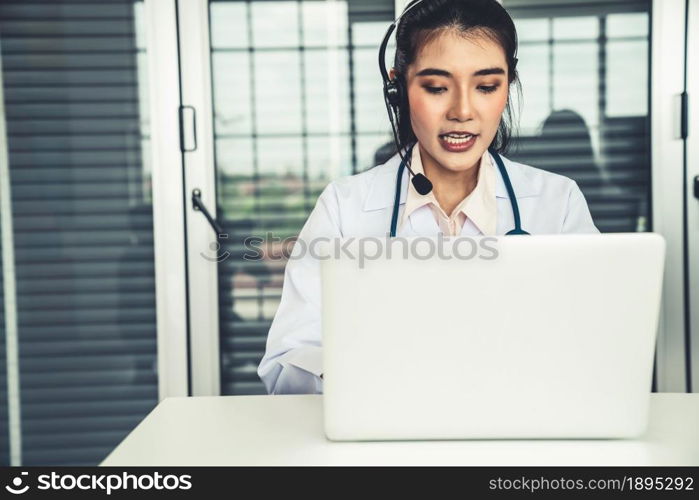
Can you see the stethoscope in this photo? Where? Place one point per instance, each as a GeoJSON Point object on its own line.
{"type": "Point", "coordinates": [505, 177]}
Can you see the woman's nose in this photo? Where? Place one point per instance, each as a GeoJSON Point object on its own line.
{"type": "Point", "coordinates": [460, 109]}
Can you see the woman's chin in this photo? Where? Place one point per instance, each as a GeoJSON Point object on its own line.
{"type": "Point", "coordinates": [458, 162]}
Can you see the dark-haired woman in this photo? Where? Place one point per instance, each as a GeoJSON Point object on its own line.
{"type": "Point", "coordinates": [456, 63]}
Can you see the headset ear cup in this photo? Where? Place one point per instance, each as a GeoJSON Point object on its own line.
{"type": "Point", "coordinates": [400, 91]}
{"type": "Point", "coordinates": [397, 99]}
{"type": "Point", "coordinates": [392, 93]}
{"type": "Point", "coordinates": [401, 107]}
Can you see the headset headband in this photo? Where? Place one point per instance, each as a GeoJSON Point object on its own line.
{"type": "Point", "coordinates": [387, 36]}
{"type": "Point", "coordinates": [390, 90]}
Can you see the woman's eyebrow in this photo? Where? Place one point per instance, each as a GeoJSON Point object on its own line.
{"type": "Point", "coordinates": [442, 72]}
{"type": "Point", "coordinates": [433, 71]}
{"type": "Point", "coordinates": [489, 71]}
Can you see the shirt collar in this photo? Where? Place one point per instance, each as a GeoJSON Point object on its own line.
{"type": "Point", "coordinates": [480, 205]}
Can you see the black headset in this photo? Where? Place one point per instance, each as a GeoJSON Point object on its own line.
{"type": "Point", "coordinates": [394, 94]}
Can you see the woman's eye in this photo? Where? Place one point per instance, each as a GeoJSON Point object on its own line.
{"type": "Point", "coordinates": [435, 90]}
{"type": "Point", "coordinates": [488, 89]}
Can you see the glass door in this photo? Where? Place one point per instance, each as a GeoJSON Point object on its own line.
{"type": "Point", "coordinates": [280, 113]}
{"type": "Point", "coordinates": [293, 109]}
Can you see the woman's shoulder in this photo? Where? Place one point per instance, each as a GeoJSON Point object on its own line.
{"type": "Point", "coordinates": [538, 179]}
{"type": "Point", "coordinates": [362, 187]}
{"type": "Point", "coordinates": [369, 176]}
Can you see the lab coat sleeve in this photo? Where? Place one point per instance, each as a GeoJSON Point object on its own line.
{"type": "Point", "coordinates": [578, 218]}
{"type": "Point", "coordinates": [292, 363]}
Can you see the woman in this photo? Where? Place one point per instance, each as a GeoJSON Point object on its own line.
{"type": "Point", "coordinates": [455, 63]}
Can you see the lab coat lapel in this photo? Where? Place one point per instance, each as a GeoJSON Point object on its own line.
{"type": "Point", "coordinates": [523, 186]}
{"type": "Point", "coordinates": [382, 195]}
{"type": "Point", "coordinates": [420, 223]}
{"type": "Point", "coordinates": [470, 229]}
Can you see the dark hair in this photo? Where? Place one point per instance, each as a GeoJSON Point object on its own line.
{"type": "Point", "coordinates": [474, 17]}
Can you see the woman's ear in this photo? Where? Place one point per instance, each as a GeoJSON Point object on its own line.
{"type": "Point", "coordinates": [392, 74]}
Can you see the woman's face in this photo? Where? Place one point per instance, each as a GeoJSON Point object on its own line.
{"type": "Point", "coordinates": [456, 86]}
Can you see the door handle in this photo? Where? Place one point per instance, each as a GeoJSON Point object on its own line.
{"type": "Point", "coordinates": [188, 129]}
{"type": "Point", "coordinates": [198, 204]}
{"type": "Point", "coordinates": [696, 187]}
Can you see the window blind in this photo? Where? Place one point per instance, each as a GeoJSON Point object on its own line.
{"type": "Point", "coordinates": [4, 429]}
{"type": "Point", "coordinates": [585, 70]}
{"type": "Point", "coordinates": [82, 225]}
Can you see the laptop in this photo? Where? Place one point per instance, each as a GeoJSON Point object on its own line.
{"type": "Point", "coordinates": [548, 336]}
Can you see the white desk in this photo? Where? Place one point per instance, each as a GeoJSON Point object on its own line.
{"type": "Point", "coordinates": [288, 430]}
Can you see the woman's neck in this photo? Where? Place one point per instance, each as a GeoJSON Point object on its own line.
{"type": "Point", "coordinates": [449, 187]}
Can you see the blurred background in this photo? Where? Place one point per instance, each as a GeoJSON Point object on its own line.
{"type": "Point", "coordinates": [116, 291]}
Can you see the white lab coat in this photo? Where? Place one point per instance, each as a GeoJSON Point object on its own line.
{"type": "Point", "coordinates": [362, 205]}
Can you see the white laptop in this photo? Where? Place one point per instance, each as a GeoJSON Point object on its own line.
{"type": "Point", "coordinates": [509, 337]}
